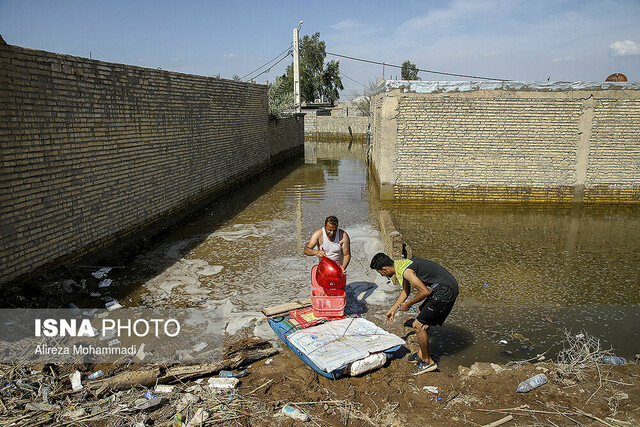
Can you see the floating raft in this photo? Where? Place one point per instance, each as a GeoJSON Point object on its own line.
{"type": "Point", "coordinates": [316, 341]}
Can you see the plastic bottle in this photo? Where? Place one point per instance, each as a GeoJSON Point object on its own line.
{"type": "Point", "coordinates": [533, 382]}
{"type": "Point", "coordinates": [229, 374]}
{"type": "Point", "coordinates": [614, 360]}
{"type": "Point", "coordinates": [295, 413]}
{"type": "Point", "coordinates": [95, 375]}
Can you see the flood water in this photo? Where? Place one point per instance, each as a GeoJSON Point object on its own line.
{"type": "Point", "coordinates": [525, 273]}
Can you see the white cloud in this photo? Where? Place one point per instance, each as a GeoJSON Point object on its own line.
{"type": "Point", "coordinates": [229, 55]}
{"type": "Point", "coordinates": [174, 59]}
{"type": "Point", "coordinates": [564, 58]}
{"type": "Point", "coordinates": [626, 47]}
{"type": "Point", "coordinates": [346, 25]}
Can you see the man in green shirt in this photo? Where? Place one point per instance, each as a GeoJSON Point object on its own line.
{"type": "Point", "coordinates": [434, 284]}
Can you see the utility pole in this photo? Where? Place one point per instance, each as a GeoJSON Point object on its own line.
{"type": "Point", "coordinates": [296, 68]}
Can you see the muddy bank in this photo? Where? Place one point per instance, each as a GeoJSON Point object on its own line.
{"type": "Point", "coordinates": [477, 395]}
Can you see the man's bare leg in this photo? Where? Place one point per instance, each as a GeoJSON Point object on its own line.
{"type": "Point", "coordinates": [422, 334]}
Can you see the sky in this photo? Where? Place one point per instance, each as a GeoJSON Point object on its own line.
{"type": "Point", "coordinates": [556, 40]}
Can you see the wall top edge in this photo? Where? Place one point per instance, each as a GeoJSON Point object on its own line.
{"type": "Point", "coordinates": [470, 86]}
{"type": "Point", "coordinates": [115, 65]}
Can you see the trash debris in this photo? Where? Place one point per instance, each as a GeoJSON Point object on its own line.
{"type": "Point", "coordinates": [45, 394]}
{"type": "Point", "coordinates": [141, 354]}
{"type": "Point", "coordinates": [532, 383]}
{"type": "Point", "coordinates": [41, 393]}
{"type": "Point", "coordinates": [196, 388]}
{"type": "Point", "coordinates": [186, 400]}
{"type": "Point", "coordinates": [107, 334]}
{"type": "Point", "coordinates": [76, 381]}
{"type": "Point", "coordinates": [105, 283]}
{"type": "Point", "coordinates": [95, 294]}
{"type": "Point", "coordinates": [431, 389]}
{"type": "Point", "coordinates": [230, 374]}
{"type": "Point", "coordinates": [95, 375]}
{"type": "Point", "coordinates": [111, 305]}
{"type": "Point", "coordinates": [614, 360]}
{"type": "Point", "coordinates": [200, 417]}
{"type": "Point", "coordinates": [268, 361]}
{"type": "Point", "coordinates": [369, 363]}
{"type": "Point", "coordinates": [295, 413]}
{"type": "Point", "coordinates": [503, 342]}
{"type": "Point", "coordinates": [200, 346]}
{"type": "Point", "coordinates": [101, 273]}
{"type": "Point", "coordinates": [223, 384]}
{"type": "Point", "coordinates": [164, 388]}
{"type": "Point", "coordinates": [65, 287]}
{"type": "Point", "coordinates": [148, 404]}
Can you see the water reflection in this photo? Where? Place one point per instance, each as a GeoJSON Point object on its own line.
{"type": "Point", "coordinates": [528, 272]}
{"type": "Point", "coordinates": [514, 254]}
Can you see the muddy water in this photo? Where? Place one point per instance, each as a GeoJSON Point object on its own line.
{"type": "Point", "coordinates": [525, 273]}
{"type": "Point", "coordinates": [244, 252]}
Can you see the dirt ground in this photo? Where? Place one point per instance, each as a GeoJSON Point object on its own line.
{"type": "Point", "coordinates": [474, 395]}
{"type": "Point", "coordinates": [477, 396]}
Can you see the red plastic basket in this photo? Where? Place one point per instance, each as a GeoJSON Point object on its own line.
{"type": "Point", "coordinates": [314, 282]}
{"type": "Point", "coordinates": [328, 302]}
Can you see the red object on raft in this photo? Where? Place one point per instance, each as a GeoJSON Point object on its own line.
{"type": "Point", "coordinates": [328, 274]}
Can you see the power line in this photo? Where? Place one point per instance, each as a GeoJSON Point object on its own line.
{"type": "Point", "coordinates": [269, 69]}
{"type": "Point", "coordinates": [426, 71]}
{"type": "Point", "coordinates": [344, 75]}
{"type": "Point", "coordinates": [264, 65]}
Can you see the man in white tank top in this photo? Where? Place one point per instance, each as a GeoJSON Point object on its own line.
{"type": "Point", "coordinates": [331, 242]}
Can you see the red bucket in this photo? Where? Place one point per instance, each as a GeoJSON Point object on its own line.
{"type": "Point", "coordinates": [328, 302]}
{"type": "Point", "coordinates": [329, 274]}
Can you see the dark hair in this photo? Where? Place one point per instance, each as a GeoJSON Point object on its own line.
{"type": "Point", "coordinates": [380, 260]}
{"type": "Point", "coordinates": [331, 220]}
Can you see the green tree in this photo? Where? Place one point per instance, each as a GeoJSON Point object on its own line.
{"type": "Point", "coordinates": [317, 79]}
{"type": "Point", "coordinates": [280, 97]}
{"type": "Point", "coordinates": [409, 71]}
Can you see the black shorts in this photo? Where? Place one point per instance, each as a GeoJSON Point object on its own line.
{"type": "Point", "coordinates": [434, 311]}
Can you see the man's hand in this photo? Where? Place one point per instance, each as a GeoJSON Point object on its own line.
{"type": "Point", "coordinates": [405, 306]}
{"type": "Point", "coordinates": [391, 314]}
{"type": "Point", "coordinates": [320, 253]}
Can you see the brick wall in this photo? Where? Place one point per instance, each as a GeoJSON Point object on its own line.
{"type": "Point", "coordinates": [92, 151]}
{"type": "Point", "coordinates": [518, 142]}
{"type": "Point", "coordinates": [286, 136]}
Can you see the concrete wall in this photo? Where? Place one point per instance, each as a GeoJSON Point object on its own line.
{"type": "Point", "coordinates": [467, 141]}
{"type": "Point", "coordinates": [93, 152]}
{"type": "Point", "coordinates": [335, 127]}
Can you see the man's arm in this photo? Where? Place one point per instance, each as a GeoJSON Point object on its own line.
{"type": "Point", "coordinates": [313, 242]}
{"type": "Point", "coordinates": [406, 290]}
{"type": "Point", "coordinates": [346, 250]}
{"type": "Point", "coordinates": [410, 277]}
